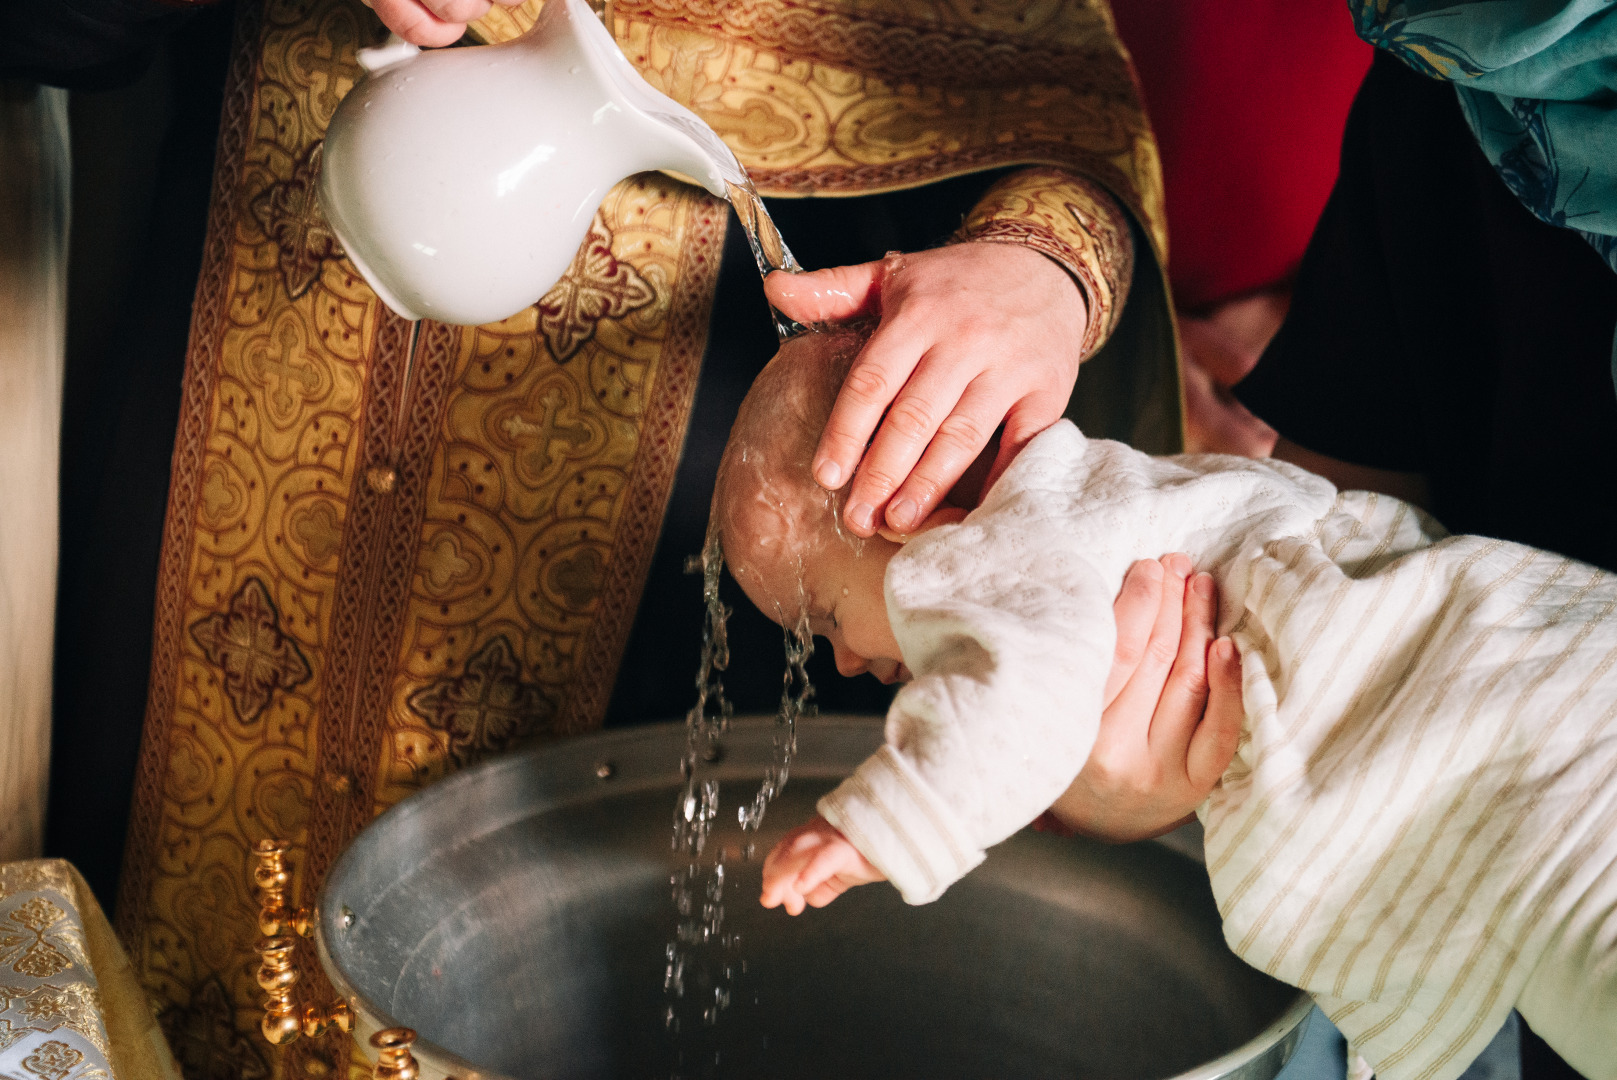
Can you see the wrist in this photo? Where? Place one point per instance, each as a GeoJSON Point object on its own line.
{"type": "Point", "coordinates": [1072, 222]}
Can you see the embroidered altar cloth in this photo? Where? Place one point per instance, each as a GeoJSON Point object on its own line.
{"type": "Point", "coordinates": [70, 1007]}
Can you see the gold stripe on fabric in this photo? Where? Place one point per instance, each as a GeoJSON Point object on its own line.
{"type": "Point", "coordinates": [1367, 685]}
{"type": "Point", "coordinates": [1300, 550]}
{"type": "Point", "coordinates": [1597, 841]}
{"type": "Point", "coordinates": [1491, 928]}
{"type": "Point", "coordinates": [1406, 760]}
{"type": "Point", "coordinates": [360, 593]}
{"type": "Point", "coordinates": [1394, 904]}
{"type": "Point", "coordinates": [1438, 696]}
{"type": "Point", "coordinates": [1419, 727]}
{"type": "Point", "coordinates": [863, 789]}
{"type": "Point", "coordinates": [1437, 889]}
{"type": "Point", "coordinates": [1254, 815]}
{"type": "Point", "coordinates": [853, 97]}
{"type": "Point", "coordinates": [1460, 736]}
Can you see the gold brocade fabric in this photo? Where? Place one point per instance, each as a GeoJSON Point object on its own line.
{"type": "Point", "coordinates": [359, 593]}
{"type": "Point", "coordinates": [70, 1008]}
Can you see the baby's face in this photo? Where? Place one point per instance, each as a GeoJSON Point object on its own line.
{"type": "Point", "coordinates": [842, 591]}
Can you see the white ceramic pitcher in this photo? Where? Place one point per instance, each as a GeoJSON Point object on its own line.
{"type": "Point", "coordinates": [462, 181]}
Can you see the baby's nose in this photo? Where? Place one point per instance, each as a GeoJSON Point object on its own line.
{"type": "Point", "coordinates": [849, 663]}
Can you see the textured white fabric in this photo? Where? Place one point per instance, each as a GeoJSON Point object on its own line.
{"type": "Point", "coordinates": [1420, 824]}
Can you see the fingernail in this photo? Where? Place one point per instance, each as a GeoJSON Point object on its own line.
{"type": "Point", "coordinates": [1179, 566]}
{"type": "Point", "coordinates": [1204, 586]}
{"type": "Point", "coordinates": [829, 475]}
{"type": "Point", "coordinates": [902, 514]}
{"type": "Point", "coordinates": [862, 515]}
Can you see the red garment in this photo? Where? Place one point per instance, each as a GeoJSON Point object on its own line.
{"type": "Point", "coordinates": [1248, 101]}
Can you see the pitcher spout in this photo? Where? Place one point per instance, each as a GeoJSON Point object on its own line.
{"type": "Point", "coordinates": [676, 139]}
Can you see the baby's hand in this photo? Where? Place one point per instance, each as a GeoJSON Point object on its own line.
{"type": "Point", "coordinates": [813, 865]}
{"type": "Point", "coordinates": [1173, 711]}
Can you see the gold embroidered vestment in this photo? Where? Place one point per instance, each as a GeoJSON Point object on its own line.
{"type": "Point", "coordinates": [360, 593]}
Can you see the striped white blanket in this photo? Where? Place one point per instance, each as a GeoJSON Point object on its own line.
{"type": "Point", "coordinates": [1420, 825]}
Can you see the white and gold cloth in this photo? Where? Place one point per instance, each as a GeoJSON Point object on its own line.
{"type": "Point", "coordinates": [1420, 825]}
{"type": "Point", "coordinates": [70, 1008]}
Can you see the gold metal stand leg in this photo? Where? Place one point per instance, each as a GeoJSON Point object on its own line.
{"type": "Point", "coordinates": [283, 1020]}
{"type": "Point", "coordinates": [394, 1060]}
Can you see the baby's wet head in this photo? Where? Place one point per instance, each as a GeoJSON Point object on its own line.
{"type": "Point", "coordinates": [774, 522]}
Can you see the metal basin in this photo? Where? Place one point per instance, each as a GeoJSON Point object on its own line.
{"type": "Point", "coordinates": [516, 914]}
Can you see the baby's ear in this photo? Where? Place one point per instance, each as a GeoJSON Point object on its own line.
{"type": "Point", "coordinates": [943, 515]}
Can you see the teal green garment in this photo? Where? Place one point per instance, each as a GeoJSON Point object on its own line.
{"type": "Point", "coordinates": [1537, 81]}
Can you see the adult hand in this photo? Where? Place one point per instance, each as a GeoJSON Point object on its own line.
{"type": "Point", "coordinates": [1219, 350]}
{"type": "Point", "coordinates": [432, 22]}
{"type": "Point", "coordinates": [971, 336]}
{"type": "Point", "coordinates": [1173, 710]}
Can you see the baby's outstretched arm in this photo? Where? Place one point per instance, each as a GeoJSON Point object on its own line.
{"type": "Point", "coordinates": [813, 865]}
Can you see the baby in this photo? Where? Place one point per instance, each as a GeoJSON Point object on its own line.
{"type": "Point", "coordinates": [1420, 824]}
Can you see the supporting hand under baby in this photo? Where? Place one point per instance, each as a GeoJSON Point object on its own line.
{"type": "Point", "coordinates": [812, 866]}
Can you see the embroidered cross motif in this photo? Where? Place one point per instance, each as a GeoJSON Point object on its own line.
{"type": "Point", "coordinates": [597, 286]}
{"type": "Point", "coordinates": [246, 642]}
{"type": "Point", "coordinates": [545, 431]}
{"type": "Point", "coordinates": [487, 707]}
{"type": "Point", "coordinates": [289, 214]}
{"type": "Point", "coordinates": [281, 363]}
{"type": "Point", "coordinates": [328, 57]}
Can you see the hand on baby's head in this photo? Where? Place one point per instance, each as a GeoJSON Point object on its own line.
{"type": "Point", "coordinates": [812, 866]}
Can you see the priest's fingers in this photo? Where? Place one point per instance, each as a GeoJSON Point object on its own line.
{"type": "Point", "coordinates": [1135, 611]}
{"type": "Point", "coordinates": [927, 443]}
{"type": "Point", "coordinates": [416, 24]}
{"type": "Point", "coordinates": [875, 380]}
{"type": "Point", "coordinates": [830, 295]}
{"type": "Point", "coordinates": [1184, 698]}
{"type": "Point", "coordinates": [1213, 745]}
{"type": "Point", "coordinates": [1026, 418]}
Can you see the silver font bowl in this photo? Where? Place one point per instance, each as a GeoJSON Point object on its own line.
{"type": "Point", "coordinates": [516, 916]}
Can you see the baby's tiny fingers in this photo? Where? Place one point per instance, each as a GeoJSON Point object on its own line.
{"type": "Point", "coordinates": [823, 866]}
{"type": "Point", "coordinates": [826, 892]}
